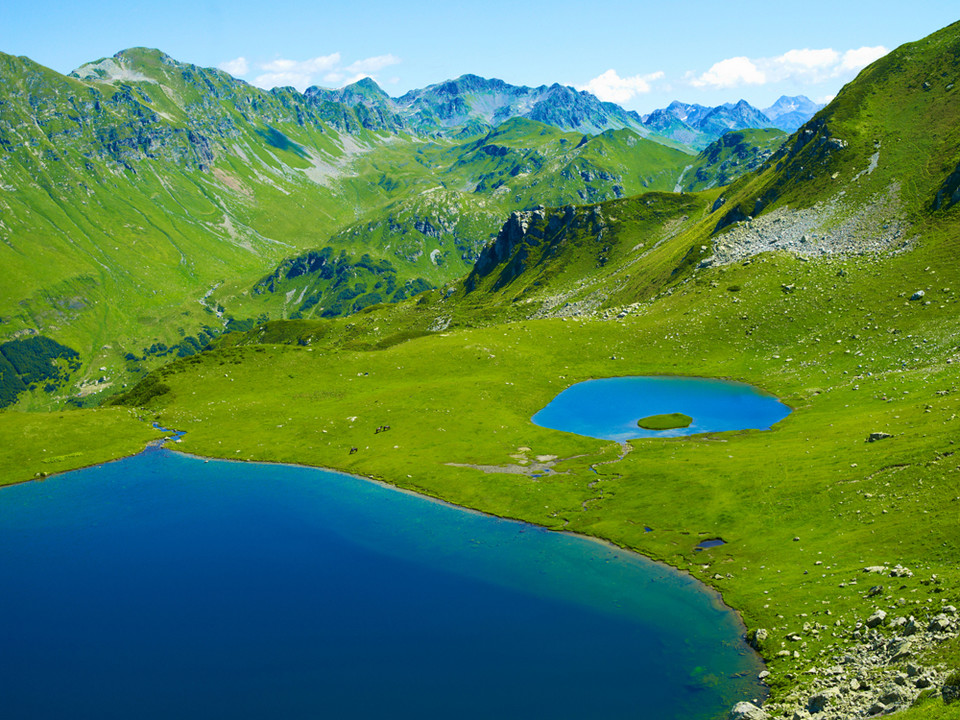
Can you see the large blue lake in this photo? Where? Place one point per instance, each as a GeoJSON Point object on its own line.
{"type": "Point", "coordinates": [163, 586]}
{"type": "Point", "coordinates": [609, 408]}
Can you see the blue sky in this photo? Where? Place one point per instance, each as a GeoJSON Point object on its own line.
{"type": "Point", "coordinates": [641, 54]}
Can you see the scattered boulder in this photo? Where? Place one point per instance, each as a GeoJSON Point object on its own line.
{"type": "Point", "coordinates": [747, 711]}
{"type": "Point", "coordinates": [951, 688]}
{"type": "Point", "coordinates": [874, 436]}
{"type": "Point", "coordinates": [876, 619]}
{"type": "Point", "coordinates": [918, 295]}
{"type": "Point", "coordinates": [941, 623]}
{"type": "Point", "coordinates": [757, 638]}
{"type": "Point", "coordinates": [901, 650]}
{"type": "Point", "coordinates": [820, 701]}
{"type": "Point", "coordinates": [894, 694]}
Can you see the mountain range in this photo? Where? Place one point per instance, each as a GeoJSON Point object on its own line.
{"type": "Point", "coordinates": [698, 125]}
{"type": "Point", "coordinates": [148, 200]}
{"type": "Point", "coordinates": [471, 103]}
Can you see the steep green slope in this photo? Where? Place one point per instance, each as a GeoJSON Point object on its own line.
{"type": "Point", "coordinates": [892, 133]}
{"type": "Point", "coordinates": [437, 234]}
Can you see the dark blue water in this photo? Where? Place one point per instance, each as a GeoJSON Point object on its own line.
{"type": "Point", "coordinates": [610, 408]}
{"type": "Point", "coordinates": [164, 586]}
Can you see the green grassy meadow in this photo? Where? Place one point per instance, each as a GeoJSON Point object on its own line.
{"type": "Point", "coordinates": [37, 445]}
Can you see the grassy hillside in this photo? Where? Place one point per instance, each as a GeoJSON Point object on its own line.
{"type": "Point", "coordinates": [893, 130]}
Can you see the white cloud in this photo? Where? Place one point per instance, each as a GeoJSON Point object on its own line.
{"type": "Point", "coordinates": [807, 59]}
{"type": "Point", "coordinates": [328, 69]}
{"type": "Point", "coordinates": [304, 67]}
{"type": "Point", "coordinates": [373, 64]}
{"type": "Point", "coordinates": [854, 60]}
{"type": "Point", "coordinates": [731, 72]}
{"type": "Point", "coordinates": [610, 87]}
{"type": "Point", "coordinates": [805, 65]}
{"type": "Point", "coordinates": [301, 81]}
{"type": "Point", "coordinates": [236, 67]}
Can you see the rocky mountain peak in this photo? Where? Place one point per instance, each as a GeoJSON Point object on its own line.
{"type": "Point", "coordinates": [786, 104]}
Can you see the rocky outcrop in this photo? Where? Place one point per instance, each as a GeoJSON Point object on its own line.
{"type": "Point", "coordinates": [949, 192]}
{"type": "Point", "coordinates": [514, 231]}
{"type": "Point", "coordinates": [523, 232]}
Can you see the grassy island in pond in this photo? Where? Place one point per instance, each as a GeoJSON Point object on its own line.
{"type": "Point", "coordinates": [669, 421]}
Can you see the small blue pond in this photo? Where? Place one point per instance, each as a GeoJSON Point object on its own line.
{"type": "Point", "coordinates": [610, 408]}
{"type": "Point", "coordinates": [162, 586]}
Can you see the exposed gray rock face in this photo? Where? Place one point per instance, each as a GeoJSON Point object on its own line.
{"type": "Point", "coordinates": [500, 250]}
{"type": "Point", "coordinates": [471, 99]}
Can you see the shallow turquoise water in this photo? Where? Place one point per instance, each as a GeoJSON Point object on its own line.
{"type": "Point", "coordinates": [609, 408]}
{"type": "Point", "coordinates": [164, 586]}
